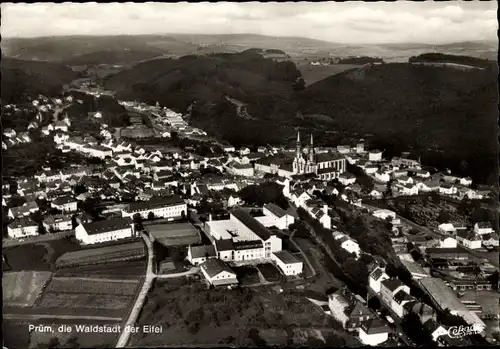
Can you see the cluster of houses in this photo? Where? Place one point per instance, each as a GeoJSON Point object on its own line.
{"type": "Point", "coordinates": [480, 236]}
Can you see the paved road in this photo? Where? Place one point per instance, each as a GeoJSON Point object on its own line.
{"type": "Point", "coordinates": [61, 317]}
{"type": "Point", "coordinates": [139, 302]}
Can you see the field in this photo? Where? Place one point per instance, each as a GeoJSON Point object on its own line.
{"type": "Point", "coordinates": [108, 254]}
{"type": "Point", "coordinates": [315, 73]}
{"type": "Point", "coordinates": [192, 315]}
{"type": "Point", "coordinates": [89, 293]}
{"type": "Point", "coordinates": [323, 280]}
{"type": "Point", "coordinates": [38, 256]}
{"type": "Point", "coordinates": [174, 234]}
{"type": "Point", "coordinates": [22, 288]}
{"type": "Point", "coordinates": [117, 270]}
{"type": "Point", "coordinates": [247, 275]}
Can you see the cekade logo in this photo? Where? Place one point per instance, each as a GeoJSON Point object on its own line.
{"type": "Point", "coordinates": [462, 331]}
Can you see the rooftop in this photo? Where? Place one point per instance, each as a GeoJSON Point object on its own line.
{"type": "Point", "coordinates": [275, 209]}
{"type": "Point", "coordinates": [202, 251]}
{"type": "Point", "coordinates": [286, 257]}
{"type": "Point", "coordinates": [107, 225]}
{"type": "Point", "coordinates": [251, 223]}
{"type": "Point", "coordinates": [215, 266]}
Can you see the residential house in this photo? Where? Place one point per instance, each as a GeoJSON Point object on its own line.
{"type": "Point", "coordinates": [375, 155]}
{"type": "Point", "coordinates": [374, 332]}
{"type": "Point", "coordinates": [287, 262]}
{"type": "Point", "coordinates": [376, 277]}
{"type": "Point", "coordinates": [384, 214]}
{"type": "Point", "coordinates": [408, 189]}
{"type": "Point", "coordinates": [466, 181]}
{"type": "Point", "coordinates": [398, 303]}
{"type": "Point", "coordinates": [382, 176]}
{"type": "Point", "coordinates": [199, 254]}
{"type": "Point", "coordinates": [104, 231]}
{"type": "Point", "coordinates": [376, 194]}
{"type": "Point", "coordinates": [389, 288]}
{"type": "Point", "coordinates": [447, 228]}
{"type": "Point", "coordinates": [482, 228]}
{"type": "Point", "coordinates": [469, 239]}
{"type": "Point", "coordinates": [218, 273]}
{"type": "Point", "coordinates": [281, 219]}
{"type": "Point", "coordinates": [22, 228]}
{"type": "Point", "coordinates": [233, 201]}
{"type": "Point", "coordinates": [347, 243]}
{"type": "Point", "coordinates": [347, 178]}
{"type": "Point", "coordinates": [65, 203]}
{"type": "Point", "coordinates": [58, 223]}
{"type": "Point", "coordinates": [348, 310]}
{"type": "Point", "coordinates": [238, 169]}
{"type": "Point", "coordinates": [404, 180]}
{"type": "Point", "coordinates": [447, 189]}
{"type": "Point", "coordinates": [244, 151]}
{"type": "Point", "coordinates": [490, 240]}
{"type": "Point", "coordinates": [447, 242]}
{"type": "Point", "coordinates": [23, 211]}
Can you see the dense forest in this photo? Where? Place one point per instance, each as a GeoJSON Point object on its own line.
{"type": "Point", "coordinates": [443, 58]}
{"type": "Point", "coordinates": [360, 60]}
{"type": "Point", "coordinates": [21, 79]}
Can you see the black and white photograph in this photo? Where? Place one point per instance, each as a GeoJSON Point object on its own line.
{"type": "Point", "coordinates": [257, 174]}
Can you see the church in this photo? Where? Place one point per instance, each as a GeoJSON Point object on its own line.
{"type": "Point", "coordinates": [326, 166]}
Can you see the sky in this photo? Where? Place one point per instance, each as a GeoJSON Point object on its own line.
{"type": "Point", "coordinates": [353, 22]}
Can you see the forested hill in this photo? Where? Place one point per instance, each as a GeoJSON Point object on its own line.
{"type": "Point", "coordinates": [445, 114]}
{"type": "Point", "coordinates": [462, 60]}
{"type": "Point", "coordinates": [30, 78]}
{"type": "Point", "coordinates": [448, 115]}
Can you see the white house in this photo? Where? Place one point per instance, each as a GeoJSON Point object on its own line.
{"type": "Point", "coordinates": [218, 273]}
{"type": "Point", "coordinates": [469, 239]}
{"type": "Point", "coordinates": [374, 332]}
{"type": "Point", "coordinates": [398, 302]}
{"type": "Point", "coordinates": [22, 228]}
{"type": "Point", "coordinates": [65, 203]}
{"type": "Point", "coordinates": [347, 243]}
{"type": "Point", "coordinates": [482, 228]}
{"type": "Point", "coordinates": [408, 189]}
{"type": "Point", "coordinates": [447, 228]}
{"type": "Point", "coordinates": [104, 231]}
{"type": "Point", "coordinates": [382, 176]}
{"type": "Point", "coordinates": [300, 197]}
{"type": "Point", "coordinates": [466, 181]}
{"type": "Point", "coordinates": [375, 155]}
{"type": "Point", "coordinates": [171, 207]}
{"type": "Point", "coordinates": [239, 169]}
{"type": "Point", "coordinates": [376, 277]}
{"type": "Point", "coordinates": [287, 262]}
{"type": "Point", "coordinates": [347, 178]}
{"type": "Point", "coordinates": [199, 254]}
{"type": "Point", "coordinates": [490, 240]}
{"type": "Point", "coordinates": [447, 189]}
{"type": "Point", "coordinates": [244, 151]}
{"type": "Point", "coordinates": [233, 201]}
{"type": "Point", "coordinates": [376, 194]}
{"type": "Point", "coordinates": [448, 242]}
{"type": "Point", "coordinates": [281, 219]}
{"type": "Point", "coordinates": [389, 288]}
{"type": "Point", "coordinates": [58, 223]}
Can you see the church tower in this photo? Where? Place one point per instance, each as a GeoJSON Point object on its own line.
{"type": "Point", "coordinates": [299, 153]}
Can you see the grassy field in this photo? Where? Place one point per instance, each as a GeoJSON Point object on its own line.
{"type": "Point", "coordinates": [88, 293]}
{"type": "Point", "coordinates": [23, 288]}
{"type": "Point", "coordinates": [40, 256]}
{"type": "Point", "coordinates": [315, 73]}
{"type": "Point", "coordinates": [118, 270]}
{"type": "Point", "coordinates": [190, 314]}
{"type": "Point", "coordinates": [323, 280]}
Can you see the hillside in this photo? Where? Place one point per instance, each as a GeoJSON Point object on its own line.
{"type": "Point", "coordinates": [443, 114]}
{"type": "Point", "coordinates": [28, 78]}
{"type": "Point", "coordinates": [446, 115]}
{"type": "Point", "coordinates": [114, 57]}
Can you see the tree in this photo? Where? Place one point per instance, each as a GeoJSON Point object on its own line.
{"type": "Point", "coordinates": [493, 279]}
{"type": "Point", "coordinates": [53, 343]}
{"type": "Point", "coordinates": [412, 326]}
{"type": "Point", "coordinates": [444, 216]}
{"type": "Point", "coordinates": [435, 198]}
{"type": "Point", "coordinates": [151, 215]}
{"type": "Point", "coordinates": [72, 343]}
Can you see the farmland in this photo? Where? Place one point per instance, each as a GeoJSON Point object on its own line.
{"type": "Point", "coordinates": [193, 315]}
{"type": "Point", "coordinates": [108, 254]}
{"type": "Point", "coordinates": [38, 256]}
{"type": "Point", "coordinates": [118, 270]}
{"type": "Point", "coordinates": [315, 73]}
{"type": "Point", "coordinates": [23, 288]}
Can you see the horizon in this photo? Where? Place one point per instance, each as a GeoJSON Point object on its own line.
{"type": "Point", "coordinates": [489, 41]}
{"type": "Point", "coordinates": [344, 23]}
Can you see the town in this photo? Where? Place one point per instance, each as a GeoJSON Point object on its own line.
{"type": "Point", "coordinates": [391, 251]}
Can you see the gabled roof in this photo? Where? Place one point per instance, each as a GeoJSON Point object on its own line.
{"type": "Point", "coordinates": [63, 200]}
{"type": "Point", "coordinates": [23, 222]}
{"type": "Point", "coordinates": [484, 225]}
{"type": "Point", "coordinates": [107, 225]}
{"type": "Point", "coordinates": [202, 251]}
{"type": "Point", "coordinates": [402, 296]}
{"type": "Point", "coordinates": [215, 266]}
{"type": "Point", "coordinates": [251, 223]}
{"type": "Point", "coordinates": [392, 284]}
{"type": "Point", "coordinates": [375, 326]}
